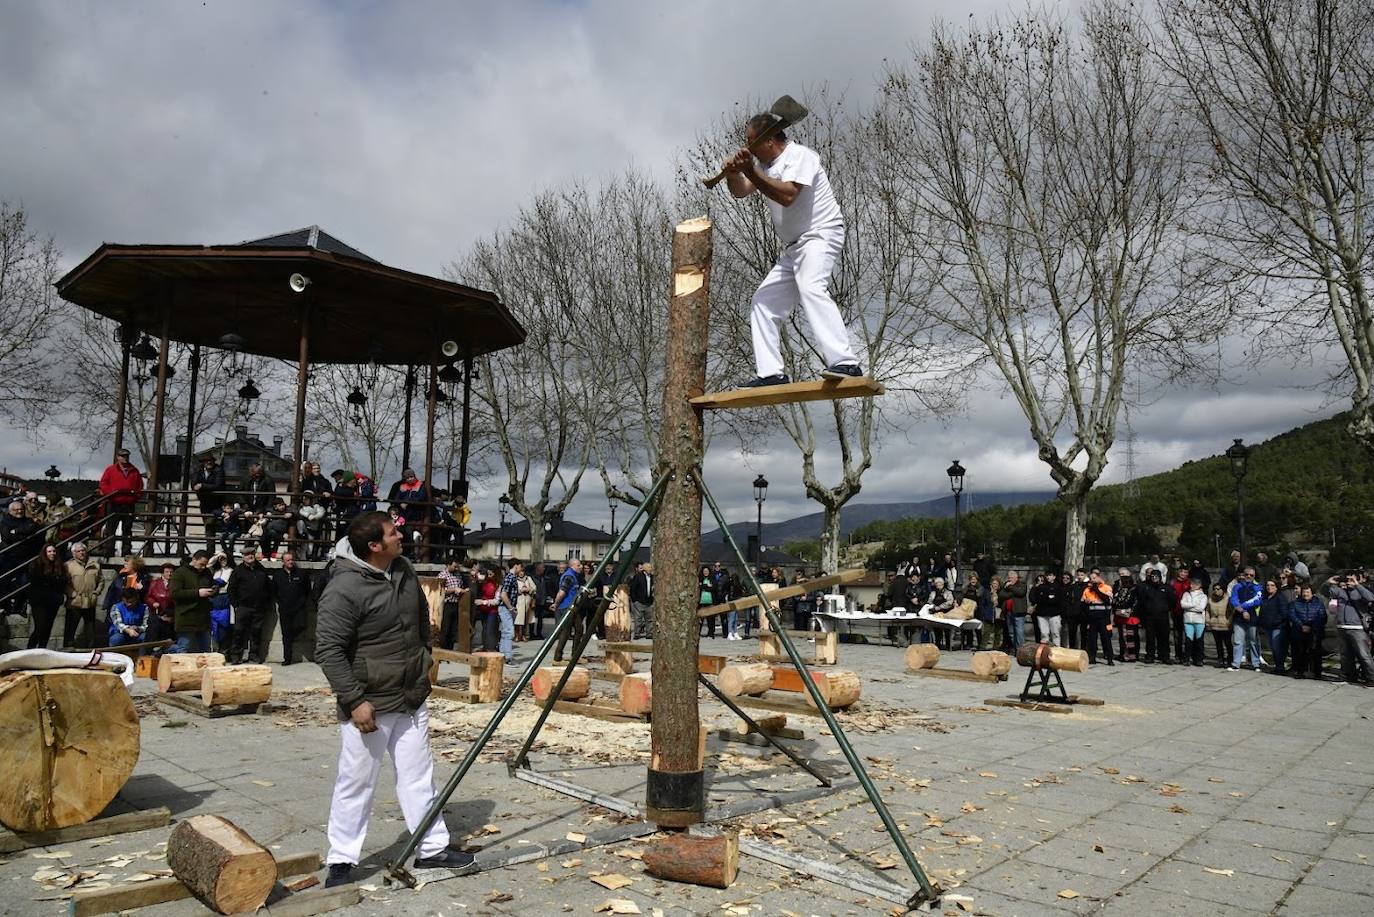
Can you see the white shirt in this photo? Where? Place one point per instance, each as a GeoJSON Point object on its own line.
{"type": "Point", "coordinates": [815, 207]}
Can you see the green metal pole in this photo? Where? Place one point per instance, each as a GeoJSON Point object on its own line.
{"type": "Point", "coordinates": [397, 866]}
{"type": "Point", "coordinates": [929, 892]}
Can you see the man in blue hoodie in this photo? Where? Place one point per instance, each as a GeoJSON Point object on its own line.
{"type": "Point", "coordinates": [1245, 599]}
{"type": "Point", "coordinates": [1308, 620]}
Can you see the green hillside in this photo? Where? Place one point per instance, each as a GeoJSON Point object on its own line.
{"type": "Point", "coordinates": [1309, 488]}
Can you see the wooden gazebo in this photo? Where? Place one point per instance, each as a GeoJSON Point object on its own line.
{"type": "Point", "coordinates": [301, 296]}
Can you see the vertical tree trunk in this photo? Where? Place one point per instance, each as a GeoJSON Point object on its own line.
{"type": "Point", "coordinates": [537, 540]}
{"type": "Point", "coordinates": [675, 793]}
{"type": "Point", "coordinates": [830, 540]}
{"type": "Point", "coordinates": [1075, 529]}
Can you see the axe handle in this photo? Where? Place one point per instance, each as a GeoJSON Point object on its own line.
{"type": "Point", "coordinates": [767, 134]}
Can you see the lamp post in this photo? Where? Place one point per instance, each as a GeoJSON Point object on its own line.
{"type": "Point", "coordinates": [612, 501]}
{"type": "Point", "coordinates": [956, 485]}
{"type": "Point", "coordinates": [501, 550]}
{"type": "Point", "coordinates": [760, 494]}
{"type": "Point", "coordinates": [1239, 455]}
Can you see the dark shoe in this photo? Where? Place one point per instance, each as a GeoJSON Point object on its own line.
{"type": "Point", "coordinates": [765, 381]}
{"type": "Point", "coordinates": [339, 874]}
{"type": "Point", "coordinates": [449, 859]}
{"type": "Point", "coordinates": [842, 371]}
{"type": "Point", "coordinates": [1111, 662]}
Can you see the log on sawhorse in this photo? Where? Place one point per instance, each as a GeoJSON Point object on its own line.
{"type": "Point", "coordinates": [957, 675]}
{"type": "Point", "coordinates": [160, 891]}
{"type": "Point", "coordinates": [142, 820]}
{"type": "Point", "coordinates": [486, 677]}
{"type": "Point", "coordinates": [190, 702]}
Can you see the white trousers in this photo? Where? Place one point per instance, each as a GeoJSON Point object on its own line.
{"type": "Point", "coordinates": [406, 737]}
{"type": "Point", "coordinates": [801, 276]}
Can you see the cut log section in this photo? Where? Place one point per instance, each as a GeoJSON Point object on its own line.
{"type": "Point", "coordinates": [710, 861]}
{"type": "Point", "coordinates": [636, 694]}
{"type": "Point", "coordinates": [220, 864]}
{"type": "Point", "coordinates": [69, 739]}
{"type": "Point", "coordinates": [990, 663]}
{"type": "Point", "coordinates": [745, 678]}
{"type": "Point", "coordinates": [546, 679]}
{"type": "Point", "coordinates": [223, 686]}
{"type": "Point", "coordinates": [487, 678]}
{"type": "Point", "coordinates": [181, 671]}
{"type": "Point", "coordinates": [770, 724]}
{"type": "Point", "coordinates": [1044, 656]}
{"type": "Point", "coordinates": [839, 688]}
{"type": "Point", "coordinates": [922, 656]}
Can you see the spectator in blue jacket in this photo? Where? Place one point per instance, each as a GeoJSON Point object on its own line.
{"type": "Point", "coordinates": [1245, 600]}
{"type": "Point", "coordinates": [128, 619]}
{"type": "Point", "coordinates": [1273, 620]}
{"type": "Point", "coordinates": [1307, 627]}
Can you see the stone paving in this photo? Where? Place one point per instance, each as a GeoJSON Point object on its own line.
{"type": "Point", "coordinates": [1231, 792]}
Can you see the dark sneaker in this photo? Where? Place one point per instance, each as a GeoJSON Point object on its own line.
{"type": "Point", "coordinates": [842, 371]}
{"type": "Point", "coordinates": [449, 859]}
{"type": "Point", "coordinates": [339, 874]}
{"type": "Point", "coordinates": [765, 381]}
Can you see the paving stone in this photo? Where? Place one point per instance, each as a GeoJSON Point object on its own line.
{"type": "Point", "coordinates": [1343, 876]}
{"type": "Point", "coordinates": [1240, 890]}
{"type": "Point", "coordinates": [1307, 900]}
{"type": "Point", "coordinates": [1231, 854]}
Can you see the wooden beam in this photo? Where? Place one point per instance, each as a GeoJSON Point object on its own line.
{"type": "Point", "coordinates": [128, 647]}
{"type": "Point", "coordinates": [956, 674]}
{"type": "Point", "coordinates": [817, 390]}
{"type": "Point", "coordinates": [190, 702]}
{"type": "Point", "coordinates": [1028, 705]}
{"type": "Point", "coordinates": [782, 706]}
{"type": "Point", "coordinates": [10, 841]}
{"type": "Point", "coordinates": [315, 901]}
{"type": "Point", "coordinates": [461, 695]}
{"type": "Point", "coordinates": [159, 891]}
{"type": "Point", "coordinates": [469, 659]}
{"type": "Point", "coordinates": [789, 592]}
{"type": "Point", "coordinates": [596, 711]}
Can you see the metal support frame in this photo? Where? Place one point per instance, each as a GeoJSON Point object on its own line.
{"type": "Point", "coordinates": [928, 891]}
{"type": "Point", "coordinates": [1044, 688]}
{"type": "Point", "coordinates": [397, 866]}
{"type": "Point", "coordinates": [772, 740]}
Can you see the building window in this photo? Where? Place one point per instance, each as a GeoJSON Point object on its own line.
{"type": "Point", "coordinates": [574, 554]}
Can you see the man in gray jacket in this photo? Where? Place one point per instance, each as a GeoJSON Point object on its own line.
{"type": "Point", "coordinates": [372, 643]}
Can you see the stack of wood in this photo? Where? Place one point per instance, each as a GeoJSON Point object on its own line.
{"type": "Point", "coordinates": [750, 681]}
{"type": "Point", "coordinates": [69, 739]}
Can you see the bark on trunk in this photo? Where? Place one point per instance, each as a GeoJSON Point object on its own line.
{"type": "Point", "coordinates": [69, 739]}
{"type": "Point", "coordinates": [830, 540]}
{"type": "Point", "coordinates": [1075, 530]}
{"type": "Point", "coordinates": [220, 864]}
{"type": "Point", "coordinates": [675, 794]}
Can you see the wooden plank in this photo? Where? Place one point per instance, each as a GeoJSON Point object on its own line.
{"type": "Point", "coordinates": [10, 841]}
{"type": "Point", "coordinates": [729, 735]}
{"type": "Point", "coordinates": [613, 677]}
{"type": "Point", "coordinates": [814, 390]}
{"type": "Point", "coordinates": [788, 592]}
{"type": "Point", "coordinates": [461, 695]}
{"type": "Point", "coordinates": [957, 674]}
{"type": "Point", "coordinates": [783, 657]}
{"type": "Point", "coordinates": [781, 706]}
{"type": "Point", "coordinates": [1028, 705]}
{"type": "Point", "coordinates": [711, 665]}
{"type": "Point", "coordinates": [315, 901]}
{"type": "Point", "coordinates": [596, 711]}
{"type": "Point", "coordinates": [468, 659]}
{"type": "Point", "coordinates": [159, 891]}
{"type": "Point", "coordinates": [621, 646]}
{"type": "Point", "coordinates": [190, 702]}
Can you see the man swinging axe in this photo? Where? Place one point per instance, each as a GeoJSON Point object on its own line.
{"type": "Point", "coordinates": [808, 221]}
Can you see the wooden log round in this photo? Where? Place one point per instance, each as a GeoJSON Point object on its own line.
{"type": "Point", "coordinates": [1044, 656]}
{"type": "Point", "coordinates": [225, 685]}
{"type": "Point", "coordinates": [990, 662]}
{"type": "Point", "coordinates": [546, 679]}
{"type": "Point", "coordinates": [745, 678]}
{"type": "Point", "coordinates": [840, 688]}
{"type": "Point", "coordinates": [487, 677]}
{"type": "Point", "coordinates": [770, 723]}
{"type": "Point", "coordinates": [220, 864]}
{"type": "Point", "coordinates": [181, 671]}
{"type": "Point", "coordinates": [68, 743]}
{"type": "Point", "coordinates": [636, 693]}
{"type": "Point", "coordinates": [710, 861]}
{"type": "Point", "coordinates": [922, 656]}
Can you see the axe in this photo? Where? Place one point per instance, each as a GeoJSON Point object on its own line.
{"type": "Point", "coordinates": [788, 111]}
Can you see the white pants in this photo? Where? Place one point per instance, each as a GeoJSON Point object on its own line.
{"type": "Point", "coordinates": [406, 736]}
{"type": "Point", "coordinates": [801, 276]}
{"type": "Point", "coordinates": [1051, 630]}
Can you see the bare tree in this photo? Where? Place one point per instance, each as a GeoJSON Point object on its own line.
{"type": "Point", "coordinates": [365, 437]}
{"type": "Point", "coordinates": [1044, 185]}
{"type": "Point", "coordinates": [28, 313]}
{"type": "Point", "coordinates": [881, 289]}
{"type": "Point", "coordinates": [1284, 93]}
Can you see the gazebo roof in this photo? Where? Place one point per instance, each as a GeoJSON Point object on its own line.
{"type": "Point", "coordinates": [362, 310]}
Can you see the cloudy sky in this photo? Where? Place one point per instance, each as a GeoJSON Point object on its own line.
{"type": "Point", "coordinates": [410, 129]}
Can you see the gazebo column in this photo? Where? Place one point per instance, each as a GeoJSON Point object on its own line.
{"type": "Point", "coordinates": [125, 333]}
{"type": "Point", "coordinates": [463, 440]}
{"type": "Point", "coordinates": [159, 409]}
{"type": "Point", "coordinates": [302, 377]}
{"type": "Point", "coordinates": [411, 372]}
{"type": "Point", "coordinates": [190, 447]}
{"type": "Point", "coordinates": [431, 405]}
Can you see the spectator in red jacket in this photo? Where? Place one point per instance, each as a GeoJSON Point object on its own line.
{"type": "Point", "coordinates": [1179, 585]}
{"type": "Point", "coordinates": [121, 485]}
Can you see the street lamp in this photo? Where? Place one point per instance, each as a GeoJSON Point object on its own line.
{"type": "Point", "coordinates": [248, 393]}
{"type": "Point", "coordinates": [1239, 455]}
{"type": "Point", "coordinates": [612, 501]}
{"type": "Point", "coordinates": [501, 551]}
{"type": "Point", "coordinates": [956, 486]}
{"type": "Point", "coordinates": [760, 494]}
{"type": "Point", "coordinates": [52, 474]}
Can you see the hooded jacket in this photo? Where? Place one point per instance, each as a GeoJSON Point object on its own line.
{"type": "Point", "coordinates": [372, 636]}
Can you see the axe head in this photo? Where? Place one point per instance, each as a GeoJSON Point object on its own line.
{"type": "Point", "coordinates": [788, 110]}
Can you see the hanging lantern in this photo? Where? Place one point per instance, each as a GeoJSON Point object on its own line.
{"type": "Point", "coordinates": [233, 344]}
{"type": "Point", "coordinates": [143, 353]}
{"type": "Point", "coordinates": [248, 394]}
{"type": "Point", "coordinates": [450, 375]}
{"type": "Point", "coordinates": [356, 400]}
